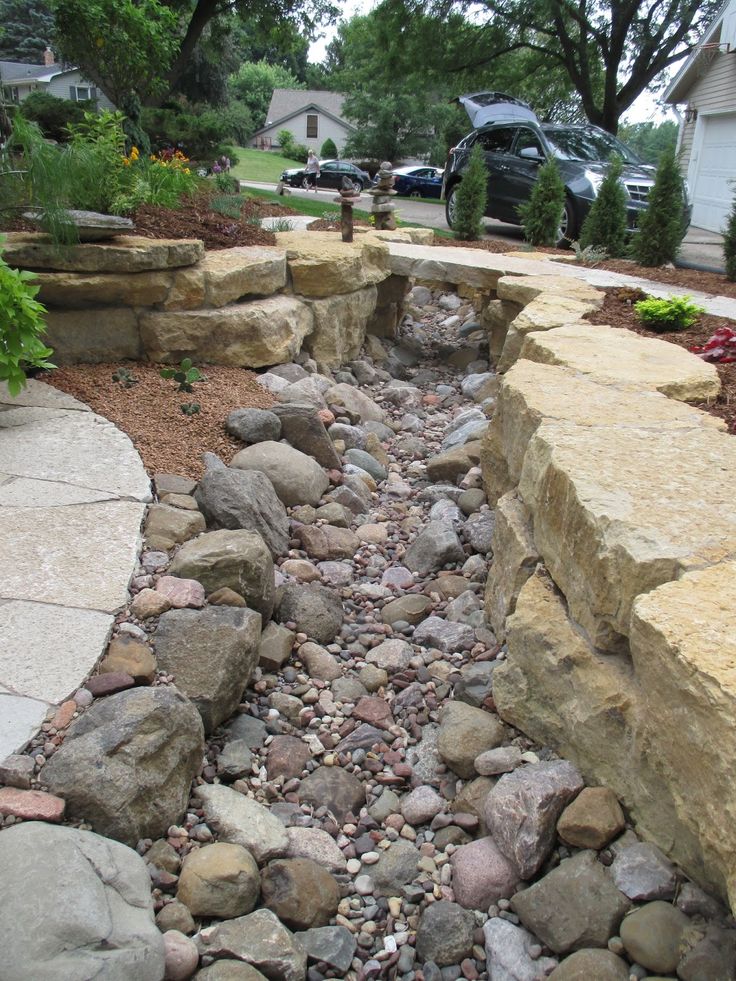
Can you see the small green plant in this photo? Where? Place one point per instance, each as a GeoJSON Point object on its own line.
{"type": "Point", "coordinates": [185, 375]}
{"type": "Point", "coordinates": [590, 255]}
{"type": "Point", "coordinates": [229, 205]}
{"type": "Point", "coordinates": [328, 150]}
{"type": "Point", "coordinates": [662, 227]}
{"type": "Point", "coordinates": [675, 313]}
{"type": "Point", "coordinates": [282, 225]}
{"type": "Point", "coordinates": [330, 216]}
{"type": "Point", "coordinates": [605, 225]}
{"type": "Point", "coordinates": [470, 198]}
{"type": "Point", "coordinates": [541, 215]}
{"type": "Point", "coordinates": [124, 377]}
{"type": "Point", "coordinates": [21, 327]}
{"type": "Point", "coordinates": [729, 244]}
{"type": "Point", "coordinates": [225, 183]}
{"type": "Point", "coordinates": [190, 408]}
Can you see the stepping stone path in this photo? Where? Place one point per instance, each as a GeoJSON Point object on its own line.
{"type": "Point", "coordinates": [325, 785]}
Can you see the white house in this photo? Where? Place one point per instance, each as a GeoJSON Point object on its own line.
{"type": "Point", "coordinates": [310, 115]}
{"type": "Point", "coordinates": [704, 92]}
{"type": "Point", "coordinates": [19, 79]}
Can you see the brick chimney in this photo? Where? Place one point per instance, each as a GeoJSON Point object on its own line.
{"type": "Point", "coordinates": [48, 57]}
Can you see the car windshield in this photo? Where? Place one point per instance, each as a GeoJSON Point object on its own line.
{"type": "Point", "coordinates": [590, 145]}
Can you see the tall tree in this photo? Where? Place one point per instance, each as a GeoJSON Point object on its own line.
{"type": "Point", "coordinates": [26, 29]}
{"type": "Point", "coordinates": [612, 51]}
{"type": "Point", "coordinates": [253, 85]}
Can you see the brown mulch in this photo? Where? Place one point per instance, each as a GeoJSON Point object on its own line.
{"type": "Point", "coordinates": [689, 279]}
{"type": "Point", "coordinates": [149, 412]}
{"type": "Point", "coordinates": [618, 311]}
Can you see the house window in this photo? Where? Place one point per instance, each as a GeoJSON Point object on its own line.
{"type": "Point", "coordinates": [80, 93]}
{"type": "Point", "coordinates": [312, 126]}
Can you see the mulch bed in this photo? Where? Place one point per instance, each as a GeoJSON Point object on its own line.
{"type": "Point", "coordinates": [618, 311]}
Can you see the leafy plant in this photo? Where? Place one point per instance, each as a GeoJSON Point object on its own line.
{"type": "Point", "coordinates": [605, 225]}
{"type": "Point", "coordinates": [286, 141]}
{"type": "Point", "coordinates": [226, 183]}
{"type": "Point", "coordinates": [729, 244]}
{"type": "Point", "coordinates": [162, 179]}
{"type": "Point", "coordinates": [675, 313]}
{"type": "Point", "coordinates": [662, 227]}
{"type": "Point", "coordinates": [51, 114]}
{"type": "Point", "coordinates": [719, 348]}
{"type": "Point", "coordinates": [282, 225]}
{"type": "Point", "coordinates": [227, 204]}
{"type": "Point", "coordinates": [590, 255]}
{"type": "Point", "coordinates": [185, 375]}
{"type": "Point", "coordinates": [190, 408]}
{"type": "Point", "coordinates": [21, 327]}
{"type": "Point", "coordinates": [541, 215]}
{"type": "Point", "coordinates": [328, 150]}
{"type": "Point", "coordinates": [470, 198]}
{"type": "Point", "coordinates": [124, 377]}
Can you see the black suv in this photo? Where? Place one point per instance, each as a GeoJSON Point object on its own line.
{"type": "Point", "coordinates": [514, 149]}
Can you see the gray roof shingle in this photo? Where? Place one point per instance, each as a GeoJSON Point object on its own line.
{"type": "Point", "coordinates": [285, 102]}
{"type": "Point", "coordinates": [12, 70]}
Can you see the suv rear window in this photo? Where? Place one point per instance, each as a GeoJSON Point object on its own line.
{"type": "Point", "coordinates": [497, 140]}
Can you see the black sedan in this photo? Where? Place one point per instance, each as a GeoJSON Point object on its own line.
{"type": "Point", "coordinates": [331, 173]}
{"type": "Point", "coordinates": [418, 182]}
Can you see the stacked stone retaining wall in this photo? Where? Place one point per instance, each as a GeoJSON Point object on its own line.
{"type": "Point", "coordinates": [613, 564]}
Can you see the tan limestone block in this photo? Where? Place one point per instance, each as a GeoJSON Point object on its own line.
{"type": "Point", "coordinates": [187, 289]}
{"type": "Point", "coordinates": [122, 254]}
{"type": "Point", "coordinates": [94, 335]}
{"type": "Point", "coordinates": [545, 312]}
{"type": "Point", "coordinates": [445, 264]}
{"type": "Point", "coordinates": [683, 645]}
{"type": "Point", "coordinates": [514, 560]}
{"type": "Point", "coordinates": [230, 274]}
{"type": "Point", "coordinates": [416, 236]}
{"type": "Point", "coordinates": [340, 324]}
{"type": "Point", "coordinates": [69, 289]}
{"type": "Point", "coordinates": [524, 289]}
{"type": "Point", "coordinates": [617, 512]}
{"type": "Point", "coordinates": [613, 354]}
{"type": "Point", "coordinates": [322, 265]}
{"type": "Point", "coordinates": [592, 820]}
{"type": "Point", "coordinates": [250, 335]}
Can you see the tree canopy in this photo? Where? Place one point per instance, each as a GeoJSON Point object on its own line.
{"type": "Point", "coordinates": [253, 85]}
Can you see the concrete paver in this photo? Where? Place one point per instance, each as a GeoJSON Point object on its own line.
{"type": "Point", "coordinates": [20, 720]}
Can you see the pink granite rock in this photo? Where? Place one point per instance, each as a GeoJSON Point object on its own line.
{"type": "Point", "coordinates": [481, 874]}
{"type": "Point", "coordinates": [181, 593]}
{"type": "Point", "coordinates": [149, 603]}
{"type": "Point", "coordinates": [31, 805]}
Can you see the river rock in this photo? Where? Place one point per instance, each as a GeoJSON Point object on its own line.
{"type": "Point", "coordinates": [229, 971]}
{"type": "Point", "coordinates": [212, 654]}
{"type": "Point", "coordinates": [319, 662]}
{"type": "Point", "coordinates": [508, 953]}
{"type": "Point", "coordinates": [333, 945]}
{"type": "Point", "coordinates": [336, 789]}
{"type": "Point", "coordinates": [437, 545]}
{"type": "Point", "coordinates": [182, 956]}
{"type": "Point", "coordinates": [275, 647]}
{"type": "Point", "coordinates": [523, 808]}
{"type": "Point", "coordinates": [576, 905]}
{"type": "Point", "coordinates": [444, 635]}
{"type": "Point", "coordinates": [235, 499]}
{"type": "Point", "coordinates": [421, 805]}
{"type": "Point", "coordinates": [108, 929]}
{"type": "Point", "coordinates": [396, 867]}
{"type": "Point", "coordinates": [327, 543]}
{"type": "Point", "coordinates": [712, 958]}
{"type": "Point", "coordinates": [481, 874]}
{"type": "Point", "coordinates": [315, 609]}
{"type": "Point", "coordinates": [496, 761]}
{"type": "Point", "coordinates": [585, 965]}
{"type": "Point", "coordinates": [239, 560]}
{"type": "Point", "coordinates": [391, 655]}
{"type": "Point", "coordinates": [360, 406]}
{"type": "Point", "coordinates": [300, 892]}
{"type": "Point", "coordinates": [242, 821]}
{"type": "Point", "coordinates": [261, 940]}
{"type": "Point", "coordinates": [445, 933]}
{"type": "Point", "coordinates": [126, 765]}
{"type": "Point", "coordinates": [253, 425]}
{"type": "Point", "coordinates": [592, 820]}
{"type": "Point", "coordinates": [466, 732]}
{"type": "Point", "coordinates": [219, 880]}
{"type": "Point", "coordinates": [653, 935]}
{"type": "Point", "coordinates": [317, 845]}
{"type": "Point", "coordinates": [296, 477]}
{"type": "Point", "coordinates": [642, 872]}
{"type": "Point", "coordinates": [303, 429]}
{"type": "Point", "coordinates": [475, 683]}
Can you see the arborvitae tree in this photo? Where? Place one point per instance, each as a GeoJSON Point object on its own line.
{"type": "Point", "coordinates": [662, 225]}
{"type": "Point", "coordinates": [541, 215]}
{"type": "Point", "coordinates": [328, 150]}
{"type": "Point", "coordinates": [470, 198]}
{"type": "Point", "coordinates": [605, 225]}
{"type": "Point", "coordinates": [729, 244]}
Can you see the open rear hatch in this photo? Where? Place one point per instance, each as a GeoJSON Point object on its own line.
{"type": "Point", "coordinates": [492, 107]}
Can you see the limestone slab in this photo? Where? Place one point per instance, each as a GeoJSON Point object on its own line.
{"type": "Point", "coordinates": [93, 335]}
{"type": "Point", "coordinates": [72, 289]}
{"type": "Point", "coordinates": [322, 265]}
{"type": "Point", "coordinates": [613, 354]}
{"type": "Point", "coordinates": [514, 560]}
{"type": "Point", "coordinates": [545, 312]}
{"type": "Point", "coordinates": [230, 274]}
{"type": "Point", "coordinates": [47, 651]}
{"type": "Point", "coordinates": [79, 448]}
{"type": "Point", "coordinates": [40, 395]}
{"type": "Point", "coordinates": [249, 335]}
{"type": "Point", "coordinates": [525, 289]}
{"type": "Point", "coordinates": [339, 326]}
{"type": "Point", "coordinates": [614, 513]}
{"type": "Point", "coordinates": [20, 720]}
{"type": "Point", "coordinates": [18, 492]}
{"type": "Point", "coordinates": [55, 555]}
{"type": "Point", "coordinates": [126, 253]}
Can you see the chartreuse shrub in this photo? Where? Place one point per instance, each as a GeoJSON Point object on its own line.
{"type": "Point", "coordinates": [605, 224]}
{"type": "Point", "coordinates": [662, 225]}
{"type": "Point", "coordinates": [729, 244]}
{"type": "Point", "coordinates": [675, 313]}
{"type": "Point", "coordinates": [470, 198]}
{"type": "Point", "coordinates": [21, 327]}
{"type": "Point", "coordinates": [541, 215]}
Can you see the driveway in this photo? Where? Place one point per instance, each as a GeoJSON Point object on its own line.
{"type": "Point", "coordinates": [699, 248]}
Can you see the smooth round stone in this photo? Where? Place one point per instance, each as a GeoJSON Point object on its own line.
{"type": "Point", "coordinates": [587, 965]}
{"type": "Point", "coordinates": [652, 936]}
{"type": "Point", "coordinates": [410, 609]}
{"type": "Point", "coordinates": [364, 885]}
{"type": "Point", "coordinates": [181, 956]}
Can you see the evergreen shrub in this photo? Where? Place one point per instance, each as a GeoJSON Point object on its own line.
{"type": "Point", "coordinates": [662, 227]}
{"type": "Point", "coordinates": [541, 215]}
{"type": "Point", "coordinates": [605, 225]}
{"type": "Point", "coordinates": [470, 198]}
{"type": "Point", "coordinates": [729, 244]}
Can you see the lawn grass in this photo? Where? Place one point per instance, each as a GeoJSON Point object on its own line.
{"type": "Point", "coordinates": [260, 165]}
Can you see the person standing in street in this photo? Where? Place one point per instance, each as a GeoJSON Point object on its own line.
{"type": "Point", "coordinates": [312, 170]}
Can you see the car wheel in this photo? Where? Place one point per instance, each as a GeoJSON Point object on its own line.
{"type": "Point", "coordinates": [415, 194]}
{"type": "Point", "coordinates": [305, 183]}
{"type": "Point", "coordinates": [358, 187]}
{"type": "Point", "coordinates": [451, 206]}
{"type": "Point", "coordinates": [567, 231]}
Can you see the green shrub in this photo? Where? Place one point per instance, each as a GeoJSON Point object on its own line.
{"type": "Point", "coordinates": [605, 225]}
{"type": "Point", "coordinates": [541, 215]}
{"type": "Point", "coordinates": [51, 114]}
{"type": "Point", "coordinates": [299, 152]}
{"type": "Point", "coordinates": [285, 140]}
{"type": "Point", "coordinates": [676, 313]}
{"type": "Point", "coordinates": [662, 227]}
{"type": "Point", "coordinates": [164, 179]}
{"type": "Point", "coordinates": [470, 198]}
{"type": "Point", "coordinates": [328, 150]}
{"type": "Point", "coordinates": [21, 327]}
{"type": "Point", "coordinates": [198, 131]}
{"type": "Point", "coordinates": [729, 244]}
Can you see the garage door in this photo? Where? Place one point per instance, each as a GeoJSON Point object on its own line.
{"type": "Point", "coordinates": [713, 193]}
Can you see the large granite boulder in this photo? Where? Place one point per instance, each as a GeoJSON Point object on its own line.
{"type": "Point", "coordinates": [237, 559]}
{"type": "Point", "coordinates": [75, 905]}
{"type": "Point", "coordinates": [212, 654]}
{"type": "Point", "coordinates": [126, 765]}
{"type": "Point", "coordinates": [234, 499]}
{"type": "Point", "coordinates": [296, 477]}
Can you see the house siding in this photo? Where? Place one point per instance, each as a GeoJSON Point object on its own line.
{"type": "Point", "coordinates": [61, 84]}
{"type": "Point", "coordinates": [326, 129]}
{"type": "Point", "coordinates": [713, 92]}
